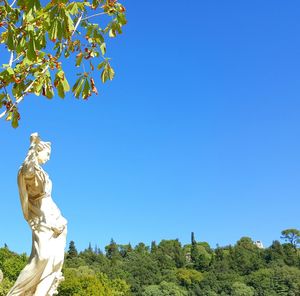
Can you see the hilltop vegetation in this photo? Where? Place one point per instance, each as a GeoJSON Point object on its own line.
{"type": "Point", "coordinates": [168, 268]}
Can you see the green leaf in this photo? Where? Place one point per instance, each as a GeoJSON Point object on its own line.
{"type": "Point", "coordinates": [40, 42]}
{"type": "Point", "coordinates": [73, 8]}
{"type": "Point", "coordinates": [65, 84]}
{"type": "Point", "coordinates": [60, 30]}
{"type": "Point", "coordinates": [112, 33]}
{"type": "Point", "coordinates": [29, 5]}
{"type": "Point", "coordinates": [76, 84]}
{"type": "Point", "coordinates": [122, 19]}
{"type": "Point", "coordinates": [9, 116]}
{"type": "Point", "coordinates": [38, 87]}
{"type": "Point", "coordinates": [60, 74]}
{"type": "Point", "coordinates": [10, 71]}
{"type": "Point", "coordinates": [86, 89]}
{"type": "Point", "coordinates": [98, 36]}
{"type": "Point", "coordinates": [103, 48]}
{"type": "Point", "coordinates": [77, 88]}
{"type": "Point", "coordinates": [53, 31]}
{"type": "Point", "coordinates": [31, 54]}
{"type": "Point", "coordinates": [79, 59]}
{"type": "Point", "coordinates": [107, 73]}
{"type": "Point", "coordinates": [69, 22]}
{"type": "Point", "coordinates": [111, 73]}
{"type": "Point", "coordinates": [21, 44]}
{"type": "Point", "coordinates": [101, 65]}
{"type": "Point", "coordinates": [2, 96]}
{"type": "Point", "coordinates": [61, 83]}
{"type": "Point", "coordinates": [104, 75]}
{"type": "Point", "coordinates": [15, 119]}
{"type": "Point", "coordinates": [10, 39]}
{"type": "Point", "coordinates": [60, 90]}
{"type": "Point", "coordinates": [67, 53]}
{"type": "Point", "coordinates": [49, 90]}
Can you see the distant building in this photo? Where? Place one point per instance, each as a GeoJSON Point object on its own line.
{"type": "Point", "coordinates": [259, 244]}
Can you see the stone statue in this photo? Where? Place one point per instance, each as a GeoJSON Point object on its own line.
{"type": "Point", "coordinates": [42, 275]}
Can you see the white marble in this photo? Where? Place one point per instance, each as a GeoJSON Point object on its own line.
{"type": "Point", "coordinates": [42, 275]}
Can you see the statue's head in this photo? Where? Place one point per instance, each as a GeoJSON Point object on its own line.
{"type": "Point", "coordinates": [42, 149]}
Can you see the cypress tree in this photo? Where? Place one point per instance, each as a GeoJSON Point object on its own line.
{"type": "Point", "coordinates": [194, 250]}
{"type": "Point", "coordinates": [72, 252]}
{"type": "Point", "coordinates": [153, 247]}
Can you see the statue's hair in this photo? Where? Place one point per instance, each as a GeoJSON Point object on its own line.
{"type": "Point", "coordinates": [36, 145]}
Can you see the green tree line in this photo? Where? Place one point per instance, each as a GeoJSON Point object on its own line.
{"type": "Point", "coordinates": [170, 268]}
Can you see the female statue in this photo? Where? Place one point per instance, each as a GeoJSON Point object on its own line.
{"type": "Point", "coordinates": [42, 274]}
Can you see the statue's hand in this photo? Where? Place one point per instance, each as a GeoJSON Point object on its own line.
{"type": "Point", "coordinates": [58, 230]}
{"type": "Point", "coordinates": [58, 226]}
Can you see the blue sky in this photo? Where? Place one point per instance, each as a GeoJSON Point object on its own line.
{"type": "Point", "coordinates": [199, 131]}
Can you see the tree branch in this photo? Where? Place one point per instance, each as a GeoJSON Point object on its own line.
{"type": "Point", "coordinates": [11, 5]}
{"type": "Point", "coordinates": [20, 99]}
{"type": "Point", "coordinates": [77, 24]}
{"type": "Point", "coordinates": [11, 58]}
{"type": "Point", "coordinates": [88, 17]}
{"type": "Point", "coordinates": [17, 58]}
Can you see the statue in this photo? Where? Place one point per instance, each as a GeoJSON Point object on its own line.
{"type": "Point", "coordinates": [42, 275]}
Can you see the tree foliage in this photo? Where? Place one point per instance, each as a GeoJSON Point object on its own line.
{"type": "Point", "coordinates": [291, 236]}
{"type": "Point", "coordinates": [85, 282]}
{"type": "Point", "coordinates": [40, 38]}
{"type": "Point", "coordinates": [168, 269]}
{"type": "Point", "coordinates": [72, 252]}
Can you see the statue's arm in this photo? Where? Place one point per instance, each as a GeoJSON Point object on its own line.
{"type": "Point", "coordinates": [30, 183]}
{"type": "Point", "coordinates": [35, 180]}
{"type": "Point", "coordinates": [57, 225]}
{"type": "Point", "coordinates": [23, 195]}
{"type": "Point", "coordinates": [26, 175]}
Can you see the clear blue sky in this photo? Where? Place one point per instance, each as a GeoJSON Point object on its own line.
{"type": "Point", "coordinates": [198, 132]}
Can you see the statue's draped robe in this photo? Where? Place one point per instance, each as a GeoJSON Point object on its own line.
{"type": "Point", "coordinates": [42, 274]}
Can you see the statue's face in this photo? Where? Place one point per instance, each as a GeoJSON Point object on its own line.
{"type": "Point", "coordinates": [43, 155]}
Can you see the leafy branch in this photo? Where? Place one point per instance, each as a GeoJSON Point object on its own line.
{"type": "Point", "coordinates": [39, 39]}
